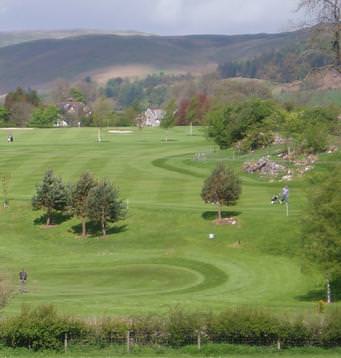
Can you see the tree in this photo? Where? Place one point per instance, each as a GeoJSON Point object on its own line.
{"type": "Point", "coordinates": [327, 14]}
{"type": "Point", "coordinates": [77, 95]}
{"type": "Point", "coordinates": [44, 117]}
{"type": "Point", "coordinates": [104, 205]}
{"type": "Point", "coordinates": [168, 121]}
{"type": "Point", "coordinates": [51, 195]}
{"type": "Point", "coordinates": [221, 188]}
{"type": "Point", "coordinates": [102, 112]}
{"type": "Point", "coordinates": [321, 230]}
{"type": "Point", "coordinates": [80, 193]}
{"type": "Point", "coordinates": [4, 115]}
{"type": "Point", "coordinates": [308, 130]}
{"type": "Point", "coordinates": [219, 125]}
{"type": "Point", "coordinates": [232, 123]}
{"type": "Point", "coordinates": [20, 104]}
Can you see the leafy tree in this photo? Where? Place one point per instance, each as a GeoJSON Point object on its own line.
{"type": "Point", "coordinates": [20, 104]}
{"type": "Point", "coordinates": [322, 223]}
{"type": "Point", "coordinates": [257, 137]}
{"type": "Point", "coordinates": [326, 14]}
{"type": "Point", "coordinates": [80, 193]}
{"type": "Point", "coordinates": [51, 195]}
{"type": "Point", "coordinates": [112, 88]}
{"type": "Point", "coordinates": [44, 117]}
{"type": "Point", "coordinates": [102, 113]}
{"type": "Point", "coordinates": [77, 95]}
{"type": "Point", "coordinates": [219, 120]}
{"type": "Point", "coordinates": [232, 123]}
{"type": "Point", "coordinates": [104, 205]}
{"type": "Point", "coordinates": [130, 93]}
{"type": "Point", "coordinates": [308, 129]}
{"type": "Point", "coordinates": [168, 121]}
{"type": "Point", "coordinates": [221, 188]}
{"type": "Point", "coordinates": [4, 115]}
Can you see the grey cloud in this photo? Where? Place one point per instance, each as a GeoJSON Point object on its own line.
{"type": "Point", "coordinates": [156, 16]}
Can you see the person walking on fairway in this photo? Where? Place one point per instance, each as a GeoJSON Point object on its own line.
{"type": "Point", "coordinates": [22, 279]}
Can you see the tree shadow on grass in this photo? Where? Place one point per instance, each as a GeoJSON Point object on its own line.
{"type": "Point", "coordinates": [213, 215]}
{"type": "Point", "coordinates": [94, 230]}
{"type": "Point", "coordinates": [320, 294]}
{"type": "Point", "coordinates": [57, 219]}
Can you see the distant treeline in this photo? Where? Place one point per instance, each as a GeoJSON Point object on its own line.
{"type": "Point", "coordinates": [285, 65]}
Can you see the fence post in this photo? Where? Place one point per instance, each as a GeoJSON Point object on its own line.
{"type": "Point", "coordinates": [128, 341]}
{"type": "Point", "coordinates": [279, 345]}
{"type": "Point", "coordinates": [65, 342]}
{"type": "Point", "coordinates": [199, 340]}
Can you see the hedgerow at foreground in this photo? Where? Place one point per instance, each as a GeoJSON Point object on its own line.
{"type": "Point", "coordinates": [43, 328]}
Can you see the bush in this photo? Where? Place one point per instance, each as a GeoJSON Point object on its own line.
{"type": "Point", "coordinates": [40, 328]}
{"type": "Point", "coordinates": [331, 332]}
{"type": "Point", "coordinates": [5, 291]}
{"type": "Point", "coordinates": [242, 326]}
{"type": "Point", "coordinates": [183, 327]}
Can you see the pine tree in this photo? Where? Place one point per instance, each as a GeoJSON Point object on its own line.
{"type": "Point", "coordinates": [221, 188]}
{"type": "Point", "coordinates": [104, 205]}
{"type": "Point", "coordinates": [80, 193]}
{"type": "Point", "coordinates": [51, 195]}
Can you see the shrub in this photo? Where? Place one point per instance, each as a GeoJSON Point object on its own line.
{"type": "Point", "coordinates": [331, 332]}
{"type": "Point", "coordinates": [40, 328]}
{"type": "Point", "coordinates": [242, 326]}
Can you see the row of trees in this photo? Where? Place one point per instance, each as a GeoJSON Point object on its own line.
{"type": "Point", "coordinates": [88, 199]}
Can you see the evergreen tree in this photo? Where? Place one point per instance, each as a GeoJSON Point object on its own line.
{"type": "Point", "coordinates": [80, 193]}
{"type": "Point", "coordinates": [104, 205]}
{"type": "Point", "coordinates": [221, 188]}
{"type": "Point", "coordinates": [51, 195]}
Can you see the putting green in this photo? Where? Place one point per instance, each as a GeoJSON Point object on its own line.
{"type": "Point", "coordinates": [128, 279]}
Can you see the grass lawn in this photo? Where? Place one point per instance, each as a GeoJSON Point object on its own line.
{"type": "Point", "coordinates": [160, 256]}
{"type": "Point", "coordinates": [221, 351]}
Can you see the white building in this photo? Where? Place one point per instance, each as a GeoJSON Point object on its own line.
{"type": "Point", "coordinates": [153, 117]}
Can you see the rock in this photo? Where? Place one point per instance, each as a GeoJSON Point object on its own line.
{"type": "Point", "coordinates": [279, 140]}
{"type": "Point", "coordinates": [287, 178]}
{"type": "Point", "coordinates": [332, 149]}
{"type": "Point", "coordinates": [226, 221]}
{"type": "Point", "coordinates": [264, 166]}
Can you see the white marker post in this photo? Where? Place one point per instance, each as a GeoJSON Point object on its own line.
{"type": "Point", "coordinates": [329, 293]}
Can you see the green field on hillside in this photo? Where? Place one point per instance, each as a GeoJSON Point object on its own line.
{"type": "Point", "coordinates": [160, 256]}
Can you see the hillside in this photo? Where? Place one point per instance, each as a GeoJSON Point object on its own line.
{"type": "Point", "coordinates": [37, 63]}
{"type": "Point", "coordinates": [8, 38]}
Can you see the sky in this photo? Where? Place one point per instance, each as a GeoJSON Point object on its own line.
{"type": "Point", "coordinates": [164, 17]}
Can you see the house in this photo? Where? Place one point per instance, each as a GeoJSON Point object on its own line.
{"type": "Point", "coordinates": [153, 117]}
{"type": "Point", "coordinates": [73, 112]}
{"type": "Point", "coordinates": [60, 123]}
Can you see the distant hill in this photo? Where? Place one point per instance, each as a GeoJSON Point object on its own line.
{"type": "Point", "coordinates": [36, 63]}
{"type": "Point", "coordinates": [8, 38]}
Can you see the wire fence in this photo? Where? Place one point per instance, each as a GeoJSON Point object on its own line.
{"type": "Point", "coordinates": [130, 340]}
